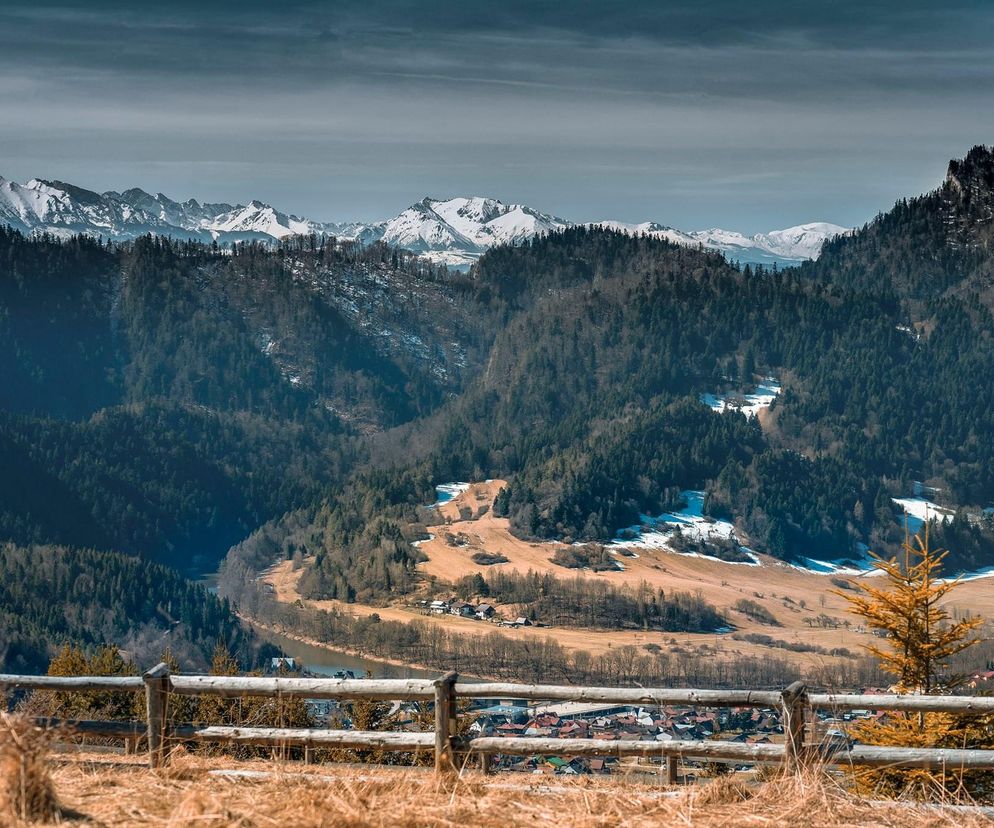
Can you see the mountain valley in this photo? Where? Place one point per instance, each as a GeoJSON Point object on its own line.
{"type": "Point", "coordinates": [295, 398]}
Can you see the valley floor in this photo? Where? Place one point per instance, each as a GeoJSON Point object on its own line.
{"type": "Point", "coordinates": [197, 792]}
{"type": "Point", "coordinates": [804, 602]}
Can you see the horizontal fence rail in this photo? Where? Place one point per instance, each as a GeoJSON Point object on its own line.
{"type": "Point", "coordinates": [65, 684]}
{"type": "Point", "coordinates": [696, 749]}
{"type": "Point", "coordinates": [794, 705]}
{"type": "Point", "coordinates": [619, 695]}
{"type": "Point", "coordinates": [315, 737]}
{"type": "Point", "coordinates": [238, 686]}
{"type": "Point", "coordinates": [906, 703]}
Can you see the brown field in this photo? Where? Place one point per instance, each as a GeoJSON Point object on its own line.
{"type": "Point", "coordinates": [791, 595]}
{"type": "Point", "coordinates": [199, 792]}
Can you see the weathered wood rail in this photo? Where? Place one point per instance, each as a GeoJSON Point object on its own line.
{"type": "Point", "coordinates": [794, 703]}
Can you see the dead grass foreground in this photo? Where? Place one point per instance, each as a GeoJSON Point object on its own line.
{"type": "Point", "coordinates": [106, 791]}
{"type": "Point", "coordinates": [26, 789]}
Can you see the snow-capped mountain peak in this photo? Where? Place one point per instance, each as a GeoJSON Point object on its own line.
{"type": "Point", "coordinates": [803, 241]}
{"type": "Point", "coordinates": [453, 231]}
{"type": "Point", "coordinates": [789, 246]}
{"type": "Point", "coordinates": [457, 230]}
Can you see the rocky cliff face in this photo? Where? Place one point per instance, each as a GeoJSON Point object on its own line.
{"type": "Point", "coordinates": [968, 195]}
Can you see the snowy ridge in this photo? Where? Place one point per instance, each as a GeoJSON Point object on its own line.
{"type": "Point", "coordinates": [453, 231]}
{"type": "Point", "coordinates": [788, 246]}
{"type": "Point", "coordinates": [649, 228]}
{"type": "Point", "coordinates": [63, 210]}
{"type": "Point", "coordinates": [456, 231]}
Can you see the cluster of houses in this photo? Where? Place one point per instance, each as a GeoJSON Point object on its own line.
{"type": "Point", "coordinates": [464, 609]}
{"type": "Point", "coordinates": [612, 722]}
{"type": "Point", "coordinates": [516, 718]}
{"type": "Point", "coordinates": [608, 723]}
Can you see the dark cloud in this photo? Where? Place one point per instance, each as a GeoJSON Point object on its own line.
{"type": "Point", "coordinates": [744, 114]}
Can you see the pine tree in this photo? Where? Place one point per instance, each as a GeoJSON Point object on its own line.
{"type": "Point", "coordinates": [920, 641]}
{"type": "Point", "coordinates": [907, 610]}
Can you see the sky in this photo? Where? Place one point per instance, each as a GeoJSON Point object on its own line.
{"type": "Point", "coordinates": [744, 115]}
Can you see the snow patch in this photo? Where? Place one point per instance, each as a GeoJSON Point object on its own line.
{"type": "Point", "coordinates": [657, 532]}
{"type": "Point", "coordinates": [749, 404]}
{"type": "Point", "coordinates": [918, 510]}
{"type": "Point", "coordinates": [977, 574]}
{"type": "Point", "coordinates": [447, 491]}
{"type": "Point", "coordinates": [863, 565]}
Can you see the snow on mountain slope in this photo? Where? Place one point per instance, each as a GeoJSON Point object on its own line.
{"type": "Point", "coordinates": [783, 247]}
{"type": "Point", "coordinates": [788, 246]}
{"type": "Point", "coordinates": [649, 228]}
{"type": "Point", "coordinates": [63, 209]}
{"type": "Point", "coordinates": [801, 242]}
{"type": "Point", "coordinates": [457, 230]}
{"type": "Point", "coordinates": [421, 229]}
{"type": "Point", "coordinates": [262, 220]}
{"type": "Point", "coordinates": [454, 231]}
{"type": "Point", "coordinates": [190, 215]}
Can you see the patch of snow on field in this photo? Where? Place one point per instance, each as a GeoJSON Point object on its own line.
{"type": "Point", "coordinates": [985, 572]}
{"type": "Point", "coordinates": [447, 491]}
{"type": "Point", "coordinates": [862, 566]}
{"type": "Point", "coordinates": [918, 510]}
{"type": "Point", "coordinates": [749, 404]}
{"type": "Point", "coordinates": [422, 542]}
{"type": "Point", "coordinates": [656, 532]}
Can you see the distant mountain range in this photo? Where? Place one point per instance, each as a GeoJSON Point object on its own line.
{"type": "Point", "coordinates": [453, 231]}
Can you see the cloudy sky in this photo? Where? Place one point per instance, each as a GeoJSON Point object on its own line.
{"type": "Point", "coordinates": [747, 115]}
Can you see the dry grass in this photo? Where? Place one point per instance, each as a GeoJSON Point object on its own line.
{"type": "Point", "coordinates": [26, 790]}
{"type": "Point", "coordinates": [116, 792]}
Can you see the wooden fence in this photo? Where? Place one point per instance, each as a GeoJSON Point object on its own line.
{"type": "Point", "coordinates": [794, 703]}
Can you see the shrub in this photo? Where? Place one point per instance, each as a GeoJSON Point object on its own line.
{"type": "Point", "coordinates": [489, 558]}
{"type": "Point", "coordinates": [591, 556]}
{"type": "Point", "coordinates": [757, 612]}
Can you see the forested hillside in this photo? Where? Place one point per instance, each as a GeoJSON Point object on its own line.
{"type": "Point", "coordinates": [925, 247]}
{"type": "Point", "coordinates": [52, 595]}
{"type": "Point", "coordinates": [164, 399]}
{"type": "Point", "coordinates": [176, 397]}
{"type": "Point", "coordinates": [590, 400]}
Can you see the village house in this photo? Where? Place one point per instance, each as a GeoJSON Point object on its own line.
{"type": "Point", "coordinates": [463, 609]}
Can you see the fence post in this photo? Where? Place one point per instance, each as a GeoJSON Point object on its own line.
{"type": "Point", "coordinates": [672, 763]}
{"type": "Point", "coordinates": [445, 722]}
{"type": "Point", "coordinates": [156, 705]}
{"type": "Point", "coordinates": [794, 701]}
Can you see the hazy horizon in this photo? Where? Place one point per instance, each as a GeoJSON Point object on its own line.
{"type": "Point", "coordinates": [696, 115]}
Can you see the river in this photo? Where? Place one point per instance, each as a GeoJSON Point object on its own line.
{"type": "Point", "coordinates": [325, 662]}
